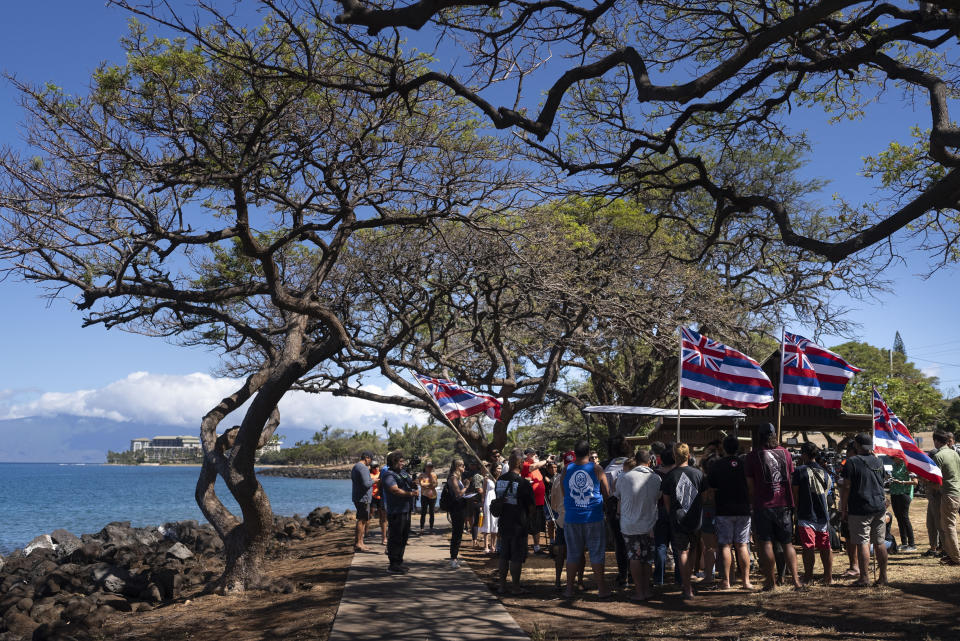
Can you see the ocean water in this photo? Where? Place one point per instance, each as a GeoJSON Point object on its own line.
{"type": "Point", "coordinates": [37, 498]}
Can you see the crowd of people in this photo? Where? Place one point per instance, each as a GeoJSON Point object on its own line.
{"type": "Point", "coordinates": [661, 510]}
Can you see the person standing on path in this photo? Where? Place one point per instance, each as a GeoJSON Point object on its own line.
{"type": "Point", "coordinates": [400, 493]}
{"type": "Point", "coordinates": [769, 473]}
{"type": "Point", "coordinates": [683, 498]}
{"type": "Point", "coordinates": [457, 510]}
{"type": "Point", "coordinates": [637, 492]}
{"type": "Point", "coordinates": [584, 489]}
{"type": "Point", "coordinates": [728, 477]}
{"type": "Point", "coordinates": [428, 494]}
{"type": "Point", "coordinates": [518, 501]}
{"type": "Point", "coordinates": [489, 527]}
{"type": "Point", "coordinates": [376, 501]}
{"type": "Point", "coordinates": [949, 462]}
{"type": "Point", "coordinates": [362, 495]}
{"type": "Point", "coordinates": [901, 495]}
{"type": "Point", "coordinates": [863, 505]}
{"type": "Point", "coordinates": [811, 485]}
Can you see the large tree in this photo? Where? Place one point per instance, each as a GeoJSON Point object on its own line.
{"type": "Point", "coordinates": [642, 93]}
{"type": "Point", "coordinates": [190, 198]}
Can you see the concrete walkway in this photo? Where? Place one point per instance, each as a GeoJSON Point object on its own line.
{"type": "Point", "coordinates": [432, 602]}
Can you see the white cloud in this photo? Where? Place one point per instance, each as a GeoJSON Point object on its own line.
{"type": "Point", "coordinates": [931, 370]}
{"type": "Point", "coordinates": [182, 400]}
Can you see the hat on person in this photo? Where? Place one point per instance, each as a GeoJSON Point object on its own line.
{"type": "Point", "coordinates": [374, 463]}
{"type": "Point", "coordinates": [529, 450]}
{"type": "Point", "coordinates": [864, 440]}
{"type": "Point", "coordinates": [767, 430]}
{"type": "Point", "coordinates": [569, 457]}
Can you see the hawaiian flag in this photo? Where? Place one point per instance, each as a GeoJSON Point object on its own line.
{"type": "Point", "coordinates": [891, 437]}
{"type": "Point", "coordinates": [812, 375]}
{"type": "Point", "coordinates": [456, 402]}
{"type": "Point", "coordinates": [713, 372]}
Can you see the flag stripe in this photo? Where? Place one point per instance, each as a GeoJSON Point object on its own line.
{"type": "Point", "coordinates": [713, 372]}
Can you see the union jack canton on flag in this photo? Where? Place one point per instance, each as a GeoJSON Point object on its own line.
{"type": "Point", "coordinates": [457, 402]}
{"type": "Point", "coordinates": [711, 371]}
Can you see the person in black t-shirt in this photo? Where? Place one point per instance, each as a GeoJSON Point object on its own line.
{"type": "Point", "coordinates": [863, 505]}
{"type": "Point", "coordinates": [727, 477]}
{"type": "Point", "coordinates": [518, 501]}
{"type": "Point", "coordinates": [682, 490]}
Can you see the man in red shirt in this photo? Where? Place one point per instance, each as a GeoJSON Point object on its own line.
{"type": "Point", "coordinates": [531, 471]}
{"type": "Point", "coordinates": [769, 469]}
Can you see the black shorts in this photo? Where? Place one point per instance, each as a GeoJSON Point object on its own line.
{"type": "Point", "coordinates": [538, 521]}
{"type": "Point", "coordinates": [376, 504]}
{"type": "Point", "coordinates": [774, 524]}
{"type": "Point", "coordinates": [514, 548]}
{"type": "Point", "coordinates": [363, 510]}
{"type": "Point", "coordinates": [685, 540]}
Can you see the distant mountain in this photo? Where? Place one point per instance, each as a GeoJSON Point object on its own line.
{"type": "Point", "coordinates": [78, 439]}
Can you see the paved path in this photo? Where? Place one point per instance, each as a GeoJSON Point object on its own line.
{"type": "Point", "coordinates": [432, 602]}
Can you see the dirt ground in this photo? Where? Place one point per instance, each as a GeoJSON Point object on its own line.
{"type": "Point", "coordinates": [317, 567]}
{"type": "Point", "coordinates": [918, 606]}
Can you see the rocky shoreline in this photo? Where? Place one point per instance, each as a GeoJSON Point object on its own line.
{"type": "Point", "coordinates": [300, 472]}
{"type": "Point", "coordinates": [61, 586]}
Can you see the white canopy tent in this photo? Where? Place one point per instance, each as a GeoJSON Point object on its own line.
{"type": "Point", "coordinates": [661, 413]}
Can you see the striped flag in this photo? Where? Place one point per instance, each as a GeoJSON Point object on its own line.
{"type": "Point", "coordinates": [711, 371]}
{"type": "Point", "coordinates": [891, 437]}
{"type": "Point", "coordinates": [456, 402]}
{"type": "Point", "coordinates": [812, 375]}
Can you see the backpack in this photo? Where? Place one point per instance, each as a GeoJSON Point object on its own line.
{"type": "Point", "coordinates": [447, 501]}
{"type": "Point", "coordinates": [496, 505]}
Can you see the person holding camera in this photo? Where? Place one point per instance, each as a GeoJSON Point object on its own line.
{"type": "Point", "coordinates": [428, 494]}
{"type": "Point", "coordinates": [530, 470]}
{"type": "Point", "coordinates": [399, 493]}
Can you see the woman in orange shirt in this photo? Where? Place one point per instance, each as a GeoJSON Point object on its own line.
{"type": "Point", "coordinates": [376, 503]}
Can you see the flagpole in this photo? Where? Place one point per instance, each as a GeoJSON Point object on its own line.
{"type": "Point", "coordinates": [679, 381]}
{"type": "Point", "coordinates": [783, 335]}
{"type": "Point", "coordinates": [873, 434]}
{"type": "Point", "coordinates": [449, 422]}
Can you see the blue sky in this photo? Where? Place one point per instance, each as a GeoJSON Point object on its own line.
{"type": "Point", "coordinates": [51, 364]}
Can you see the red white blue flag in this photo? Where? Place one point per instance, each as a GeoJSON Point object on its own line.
{"type": "Point", "coordinates": [457, 402]}
{"type": "Point", "coordinates": [713, 372]}
{"type": "Point", "coordinates": [891, 437]}
{"type": "Point", "coordinates": [812, 375]}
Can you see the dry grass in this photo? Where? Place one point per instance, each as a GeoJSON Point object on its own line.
{"type": "Point", "coordinates": [919, 605]}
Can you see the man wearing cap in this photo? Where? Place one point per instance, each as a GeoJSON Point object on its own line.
{"type": "Point", "coordinates": [769, 469]}
{"type": "Point", "coordinates": [531, 472]}
{"type": "Point", "coordinates": [863, 505]}
{"type": "Point", "coordinates": [362, 495]}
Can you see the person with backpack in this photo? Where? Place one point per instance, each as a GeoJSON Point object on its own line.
{"type": "Point", "coordinates": [811, 484]}
{"type": "Point", "coordinates": [682, 492]}
{"type": "Point", "coordinates": [863, 504]}
{"type": "Point", "coordinates": [512, 507]}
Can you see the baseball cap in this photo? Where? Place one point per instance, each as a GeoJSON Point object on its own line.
{"type": "Point", "coordinates": [530, 450]}
{"type": "Point", "coordinates": [864, 440]}
{"type": "Point", "coordinates": [569, 457]}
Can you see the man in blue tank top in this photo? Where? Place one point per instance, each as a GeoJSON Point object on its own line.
{"type": "Point", "coordinates": [584, 489]}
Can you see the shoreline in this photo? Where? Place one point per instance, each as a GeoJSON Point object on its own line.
{"type": "Point", "coordinates": [69, 585]}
